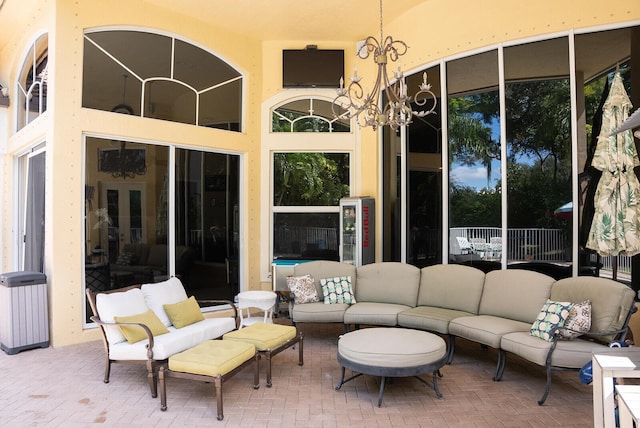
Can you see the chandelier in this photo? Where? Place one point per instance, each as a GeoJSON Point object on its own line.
{"type": "Point", "coordinates": [394, 109]}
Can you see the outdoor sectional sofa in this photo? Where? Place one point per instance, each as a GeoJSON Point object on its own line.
{"type": "Point", "coordinates": [496, 309]}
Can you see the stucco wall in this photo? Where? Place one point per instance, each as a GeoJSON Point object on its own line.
{"type": "Point", "coordinates": [434, 29]}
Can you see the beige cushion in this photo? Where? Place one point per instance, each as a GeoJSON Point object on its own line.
{"type": "Point", "coordinates": [610, 300]}
{"type": "Point", "coordinates": [452, 286]}
{"type": "Point", "coordinates": [323, 269]}
{"type": "Point", "coordinates": [212, 358]}
{"type": "Point", "coordinates": [391, 347]}
{"type": "Point", "coordinates": [368, 313]}
{"type": "Point", "coordinates": [429, 318]}
{"type": "Point", "coordinates": [263, 336]}
{"type": "Point", "coordinates": [131, 302]}
{"type": "Point", "coordinates": [568, 353]}
{"type": "Point", "coordinates": [388, 282]}
{"type": "Point", "coordinates": [184, 313]}
{"type": "Point", "coordinates": [134, 333]}
{"type": "Point", "coordinates": [486, 329]}
{"type": "Point", "coordinates": [163, 293]}
{"type": "Point", "coordinates": [319, 312]}
{"type": "Point", "coordinates": [504, 291]}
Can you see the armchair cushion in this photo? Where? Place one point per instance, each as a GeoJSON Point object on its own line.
{"type": "Point", "coordinates": [119, 304]}
{"type": "Point", "coordinates": [164, 293]}
{"type": "Point", "coordinates": [184, 313]}
{"type": "Point", "coordinates": [134, 333]}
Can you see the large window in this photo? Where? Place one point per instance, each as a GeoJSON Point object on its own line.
{"type": "Point", "coordinates": [32, 82]}
{"type": "Point", "coordinates": [161, 77]}
{"type": "Point", "coordinates": [307, 191]}
{"type": "Point", "coordinates": [127, 228]}
{"type": "Point", "coordinates": [512, 140]}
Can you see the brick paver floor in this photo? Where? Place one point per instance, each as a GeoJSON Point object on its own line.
{"type": "Point", "coordinates": [63, 387]}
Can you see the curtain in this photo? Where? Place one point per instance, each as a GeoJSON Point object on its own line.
{"type": "Point", "coordinates": [34, 227]}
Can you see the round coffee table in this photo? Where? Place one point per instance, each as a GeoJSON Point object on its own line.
{"type": "Point", "coordinates": [391, 352]}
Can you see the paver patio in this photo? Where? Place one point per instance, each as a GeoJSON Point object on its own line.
{"type": "Point", "coordinates": [63, 387]}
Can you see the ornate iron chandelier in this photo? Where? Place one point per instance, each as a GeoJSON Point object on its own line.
{"type": "Point", "coordinates": [394, 109]}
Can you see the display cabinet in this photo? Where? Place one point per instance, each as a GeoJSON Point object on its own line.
{"type": "Point", "coordinates": [357, 230]}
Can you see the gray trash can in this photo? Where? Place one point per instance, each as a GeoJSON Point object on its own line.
{"type": "Point", "coordinates": [24, 314]}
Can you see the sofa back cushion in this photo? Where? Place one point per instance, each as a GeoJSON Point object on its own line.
{"type": "Point", "coordinates": [451, 287]}
{"type": "Point", "coordinates": [158, 256]}
{"type": "Point", "coordinates": [119, 304]}
{"type": "Point", "coordinates": [163, 293]}
{"type": "Point", "coordinates": [139, 251]}
{"type": "Point", "coordinates": [515, 294]}
{"type": "Point", "coordinates": [388, 282]}
{"type": "Point", "coordinates": [610, 301]}
{"type": "Point", "coordinates": [321, 269]}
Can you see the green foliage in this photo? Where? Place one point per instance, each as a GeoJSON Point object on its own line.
{"type": "Point", "coordinates": [305, 179]}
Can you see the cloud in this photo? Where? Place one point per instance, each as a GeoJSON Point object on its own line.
{"type": "Point", "coordinates": [474, 176]}
{"type": "Point", "coordinates": [465, 174]}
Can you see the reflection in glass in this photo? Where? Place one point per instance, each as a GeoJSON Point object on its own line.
{"type": "Point", "coordinates": [306, 236]}
{"type": "Point", "coordinates": [474, 158]}
{"type": "Point", "coordinates": [424, 186]}
{"type": "Point", "coordinates": [207, 223]}
{"type": "Point", "coordinates": [538, 110]}
{"type": "Point", "coordinates": [310, 179]}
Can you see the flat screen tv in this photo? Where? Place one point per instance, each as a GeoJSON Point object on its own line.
{"type": "Point", "coordinates": [312, 68]}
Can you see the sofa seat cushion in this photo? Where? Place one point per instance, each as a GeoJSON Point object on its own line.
{"type": "Point", "coordinates": [486, 329]}
{"type": "Point", "coordinates": [429, 318]}
{"type": "Point", "coordinates": [319, 312]}
{"type": "Point", "coordinates": [374, 313]}
{"type": "Point", "coordinates": [568, 353]}
{"type": "Point", "coordinates": [177, 340]}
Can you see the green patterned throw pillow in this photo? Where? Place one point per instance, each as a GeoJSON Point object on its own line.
{"type": "Point", "coordinates": [552, 315]}
{"type": "Point", "coordinates": [337, 290]}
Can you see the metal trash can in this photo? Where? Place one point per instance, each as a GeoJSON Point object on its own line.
{"type": "Point", "coordinates": [24, 313]}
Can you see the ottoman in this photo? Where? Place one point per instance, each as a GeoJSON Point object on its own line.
{"type": "Point", "coordinates": [391, 352]}
{"type": "Point", "coordinates": [212, 361]}
{"type": "Point", "coordinates": [269, 340]}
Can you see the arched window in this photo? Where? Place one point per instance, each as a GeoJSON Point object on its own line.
{"type": "Point", "coordinates": [32, 82]}
{"type": "Point", "coordinates": [308, 115]}
{"type": "Point", "coordinates": [161, 77]}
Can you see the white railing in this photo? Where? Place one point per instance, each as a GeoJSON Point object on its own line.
{"type": "Point", "coordinates": [299, 239]}
{"type": "Point", "coordinates": [522, 244]}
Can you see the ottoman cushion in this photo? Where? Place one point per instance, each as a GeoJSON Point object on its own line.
{"type": "Point", "coordinates": [212, 358]}
{"type": "Point", "coordinates": [263, 336]}
{"type": "Point", "coordinates": [402, 347]}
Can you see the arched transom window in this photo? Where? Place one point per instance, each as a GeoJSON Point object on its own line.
{"type": "Point", "coordinates": [161, 77]}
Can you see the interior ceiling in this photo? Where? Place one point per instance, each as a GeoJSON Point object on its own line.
{"type": "Point", "coordinates": [339, 20]}
{"type": "Point", "coordinates": [325, 20]}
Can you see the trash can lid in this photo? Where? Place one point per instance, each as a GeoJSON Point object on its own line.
{"type": "Point", "coordinates": [22, 278]}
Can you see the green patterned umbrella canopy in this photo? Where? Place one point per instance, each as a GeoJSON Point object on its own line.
{"type": "Point", "coordinates": [616, 220]}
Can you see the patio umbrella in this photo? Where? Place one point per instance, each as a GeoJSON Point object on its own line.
{"type": "Point", "coordinates": [615, 226]}
{"type": "Point", "coordinates": [564, 212]}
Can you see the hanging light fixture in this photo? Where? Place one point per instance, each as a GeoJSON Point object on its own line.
{"type": "Point", "coordinates": [395, 108]}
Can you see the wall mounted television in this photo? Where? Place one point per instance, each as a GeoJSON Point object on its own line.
{"type": "Point", "coordinates": [312, 68]}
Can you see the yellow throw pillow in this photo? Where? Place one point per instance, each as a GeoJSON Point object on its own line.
{"type": "Point", "coordinates": [134, 333]}
{"type": "Point", "coordinates": [184, 313]}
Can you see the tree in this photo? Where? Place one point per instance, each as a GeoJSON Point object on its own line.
{"type": "Point", "coordinates": [303, 179]}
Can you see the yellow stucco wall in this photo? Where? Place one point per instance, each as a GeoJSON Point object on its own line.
{"type": "Point", "coordinates": [434, 29]}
